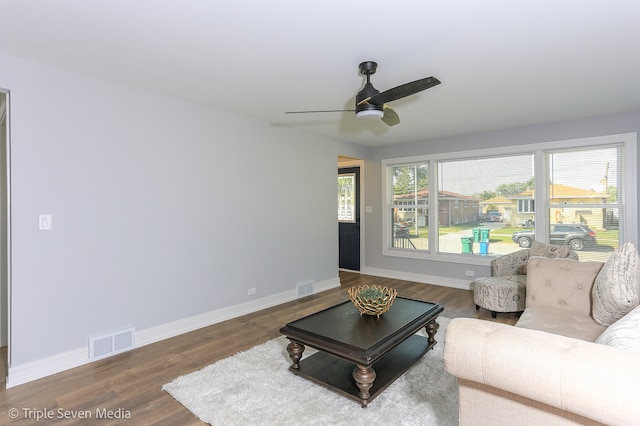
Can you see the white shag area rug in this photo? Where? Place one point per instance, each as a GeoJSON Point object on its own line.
{"type": "Point", "coordinates": [255, 387]}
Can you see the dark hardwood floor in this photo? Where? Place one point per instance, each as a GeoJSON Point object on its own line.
{"type": "Point", "coordinates": [133, 381]}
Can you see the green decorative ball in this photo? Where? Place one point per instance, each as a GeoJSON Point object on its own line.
{"type": "Point", "coordinates": [371, 293]}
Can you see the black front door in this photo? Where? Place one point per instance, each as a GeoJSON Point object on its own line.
{"type": "Point", "coordinates": [349, 218]}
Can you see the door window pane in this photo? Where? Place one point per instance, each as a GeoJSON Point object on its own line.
{"type": "Point", "coordinates": [347, 197]}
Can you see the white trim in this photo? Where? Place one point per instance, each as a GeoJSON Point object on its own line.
{"type": "Point", "coordinates": [387, 225]}
{"type": "Point", "coordinates": [64, 361]}
{"type": "Point", "coordinates": [420, 278]}
{"type": "Point", "coordinates": [465, 259]}
{"type": "Point", "coordinates": [7, 215]}
{"type": "Point", "coordinates": [631, 188]}
{"type": "Point", "coordinates": [517, 149]}
{"type": "Point", "coordinates": [540, 193]}
{"type": "Point", "coordinates": [175, 328]}
{"type": "Point", "coordinates": [29, 371]}
{"type": "Point", "coordinates": [433, 201]}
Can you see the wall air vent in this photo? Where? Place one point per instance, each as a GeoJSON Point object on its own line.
{"type": "Point", "coordinates": [304, 288]}
{"type": "Point", "coordinates": [111, 344]}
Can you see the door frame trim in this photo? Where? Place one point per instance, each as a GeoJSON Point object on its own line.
{"type": "Point", "coordinates": [7, 252]}
{"type": "Point", "coordinates": [360, 165]}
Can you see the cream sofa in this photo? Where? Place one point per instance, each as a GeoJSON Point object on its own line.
{"type": "Point", "coordinates": [548, 369]}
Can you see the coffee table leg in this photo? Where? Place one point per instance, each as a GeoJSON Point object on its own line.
{"type": "Point", "coordinates": [295, 350]}
{"type": "Point", "coordinates": [432, 328]}
{"type": "Point", "coordinates": [364, 377]}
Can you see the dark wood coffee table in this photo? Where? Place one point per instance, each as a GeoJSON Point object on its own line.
{"type": "Point", "coordinates": [343, 338]}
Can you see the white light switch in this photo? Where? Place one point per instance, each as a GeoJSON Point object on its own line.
{"type": "Point", "coordinates": [44, 222]}
{"type": "Point", "coordinates": [368, 209]}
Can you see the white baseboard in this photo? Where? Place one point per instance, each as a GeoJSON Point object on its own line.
{"type": "Point", "coordinates": [175, 328]}
{"type": "Point", "coordinates": [30, 371]}
{"type": "Point", "coordinates": [420, 278]}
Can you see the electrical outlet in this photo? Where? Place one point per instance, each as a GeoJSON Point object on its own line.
{"type": "Point", "coordinates": [251, 291]}
{"type": "Point", "coordinates": [45, 222]}
{"type": "Point", "coordinates": [469, 273]}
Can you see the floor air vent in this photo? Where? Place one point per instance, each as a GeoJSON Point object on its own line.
{"type": "Point", "coordinates": [305, 288]}
{"type": "Point", "coordinates": [111, 344]}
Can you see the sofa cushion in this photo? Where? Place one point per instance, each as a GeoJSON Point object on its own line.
{"type": "Point", "coordinates": [624, 333]}
{"type": "Point", "coordinates": [563, 284]}
{"type": "Point", "coordinates": [563, 323]}
{"type": "Point", "coordinates": [617, 287]}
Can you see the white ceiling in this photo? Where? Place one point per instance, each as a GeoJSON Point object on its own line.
{"type": "Point", "coordinates": [502, 64]}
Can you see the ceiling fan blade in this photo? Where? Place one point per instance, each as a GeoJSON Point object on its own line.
{"type": "Point", "coordinates": [390, 117]}
{"type": "Point", "coordinates": [403, 90]}
{"type": "Point", "coordinates": [324, 110]}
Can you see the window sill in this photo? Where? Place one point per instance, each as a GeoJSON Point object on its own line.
{"type": "Point", "coordinates": [465, 259]}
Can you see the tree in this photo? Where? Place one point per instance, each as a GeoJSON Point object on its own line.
{"type": "Point", "coordinates": [486, 195]}
{"type": "Point", "coordinates": [509, 189]}
{"type": "Point", "coordinates": [405, 178]}
{"type": "Point", "coordinates": [612, 194]}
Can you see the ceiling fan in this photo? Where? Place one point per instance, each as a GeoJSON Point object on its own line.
{"type": "Point", "coordinates": [371, 103]}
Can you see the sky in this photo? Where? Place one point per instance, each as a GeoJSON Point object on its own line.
{"type": "Point", "coordinates": [578, 169]}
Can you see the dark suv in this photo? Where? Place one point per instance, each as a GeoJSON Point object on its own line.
{"type": "Point", "coordinates": [575, 235]}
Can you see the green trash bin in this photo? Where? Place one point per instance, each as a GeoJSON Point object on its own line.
{"type": "Point", "coordinates": [484, 235]}
{"type": "Point", "coordinates": [476, 234]}
{"type": "Point", "coordinates": [467, 245]}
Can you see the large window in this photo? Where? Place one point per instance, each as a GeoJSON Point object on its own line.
{"type": "Point", "coordinates": [475, 205]}
{"type": "Point", "coordinates": [586, 189]}
{"type": "Point", "coordinates": [410, 207]}
{"type": "Point", "coordinates": [492, 184]}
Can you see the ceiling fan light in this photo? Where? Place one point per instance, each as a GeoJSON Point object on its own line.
{"type": "Point", "coordinates": [369, 114]}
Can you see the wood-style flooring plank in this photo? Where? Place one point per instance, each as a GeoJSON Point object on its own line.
{"type": "Point", "coordinates": [133, 380]}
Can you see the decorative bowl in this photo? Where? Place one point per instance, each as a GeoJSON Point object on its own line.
{"type": "Point", "coordinates": [372, 300]}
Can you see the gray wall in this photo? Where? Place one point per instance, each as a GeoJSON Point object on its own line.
{"type": "Point", "coordinates": [597, 126]}
{"type": "Point", "coordinates": [165, 209]}
{"type": "Point", "coordinates": [162, 209]}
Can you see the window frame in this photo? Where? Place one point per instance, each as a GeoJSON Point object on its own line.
{"type": "Point", "coordinates": [628, 141]}
{"type": "Point", "coordinates": [530, 204]}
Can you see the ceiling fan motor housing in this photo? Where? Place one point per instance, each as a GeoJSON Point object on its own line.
{"type": "Point", "coordinates": [367, 110]}
{"type": "Point", "coordinates": [367, 92]}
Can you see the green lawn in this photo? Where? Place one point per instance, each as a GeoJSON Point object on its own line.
{"type": "Point", "coordinates": [423, 232]}
{"type": "Point", "coordinates": [606, 238]}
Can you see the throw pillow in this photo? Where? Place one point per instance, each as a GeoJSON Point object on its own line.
{"type": "Point", "coordinates": [549, 251]}
{"type": "Point", "coordinates": [616, 290]}
{"type": "Point", "coordinates": [540, 249]}
{"type": "Point", "coordinates": [624, 333]}
{"type": "Point", "coordinates": [563, 283]}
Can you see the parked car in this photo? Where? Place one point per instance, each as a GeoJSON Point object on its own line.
{"type": "Point", "coordinates": [493, 216]}
{"type": "Point", "coordinates": [400, 230]}
{"type": "Point", "coordinates": [575, 235]}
